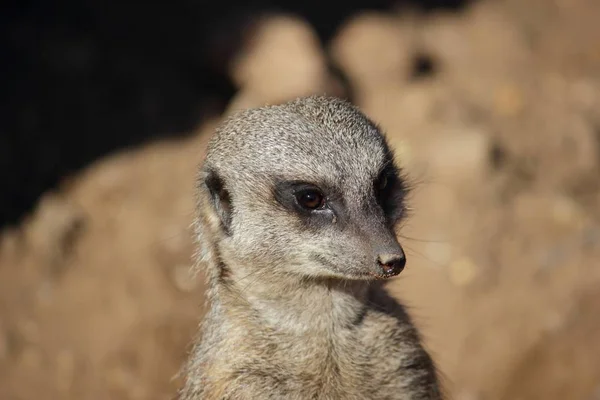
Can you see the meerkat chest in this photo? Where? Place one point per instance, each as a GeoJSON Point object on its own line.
{"type": "Point", "coordinates": [357, 363]}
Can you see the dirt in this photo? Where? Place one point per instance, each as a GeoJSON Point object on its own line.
{"type": "Point", "coordinates": [494, 113]}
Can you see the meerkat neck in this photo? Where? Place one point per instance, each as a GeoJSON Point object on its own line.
{"type": "Point", "coordinates": [293, 303]}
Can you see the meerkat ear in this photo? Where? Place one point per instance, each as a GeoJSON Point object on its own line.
{"type": "Point", "coordinates": [220, 198]}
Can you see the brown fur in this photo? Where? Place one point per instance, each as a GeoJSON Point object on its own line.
{"type": "Point", "coordinates": [298, 309]}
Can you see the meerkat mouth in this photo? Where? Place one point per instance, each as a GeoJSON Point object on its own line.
{"type": "Point", "coordinates": [387, 272]}
{"type": "Point", "coordinates": [385, 275]}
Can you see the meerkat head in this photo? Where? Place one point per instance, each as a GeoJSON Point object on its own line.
{"type": "Point", "coordinates": [308, 188]}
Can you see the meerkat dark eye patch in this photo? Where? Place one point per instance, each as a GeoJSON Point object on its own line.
{"type": "Point", "coordinates": [390, 192]}
{"type": "Point", "coordinates": [221, 199]}
{"type": "Point", "coordinates": [384, 183]}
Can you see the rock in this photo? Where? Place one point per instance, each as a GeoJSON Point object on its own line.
{"type": "Point", "coordinates": [184, 279]}
{"type": "Point", "coordinates": [175, 239]}
{"type": "Point", "coordinates": [3, 343]}
{"type": "Point", "coordinates": [374, 49]}
{"type": "Point", "coordinates": [584, 94]}
{"type": "Point", "coordinates": [282, 60]}
{"type": "Point", "coordinates": [54, 227]}
{"type": "Point", "coordinates": [508, 100]}
{"type": "Point", "coordinates": [459, 154]}
{"type": "Point", "coordinates": [440, 253]}
{"type": "Point", "coordinates": [30, 358]}
{"type": "Point", "coordinates": [566, 211]}
{"type": "Point", "coordinates": [10, 243]}
{"type": "Point", "coordinates": [462, 271]}
{"type": "Point", "coordinates": [65, 370]}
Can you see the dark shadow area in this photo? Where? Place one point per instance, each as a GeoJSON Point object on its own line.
{"type": "Point", "coordinates": [424, 66]}
{"type": "Point", "coordinates": [83, 78]}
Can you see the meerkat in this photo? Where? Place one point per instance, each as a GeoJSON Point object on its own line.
{"type": "Point", "coordinates": [297, 205]}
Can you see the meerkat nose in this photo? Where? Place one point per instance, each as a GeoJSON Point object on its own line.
{"type": "Point", "coordinates": [391, 264]}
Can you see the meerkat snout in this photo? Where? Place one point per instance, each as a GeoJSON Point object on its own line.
{"type": "Point", "coordinates": [391, 264]}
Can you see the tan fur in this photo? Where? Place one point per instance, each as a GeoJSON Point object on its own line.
{"type": "Point", "coordinates": [296, 307]}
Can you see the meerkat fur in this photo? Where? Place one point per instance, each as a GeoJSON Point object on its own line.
{"type": "Point", "coordinates": [296, 209]}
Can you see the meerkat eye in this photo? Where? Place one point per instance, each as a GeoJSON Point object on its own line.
{"type": "Point", "coordinates": [383, 182]}
{"type": "Point", "coordinates": [310, 199]}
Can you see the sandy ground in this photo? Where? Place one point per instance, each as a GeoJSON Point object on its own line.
{"type": "Point", "coordinates": [494, 114]}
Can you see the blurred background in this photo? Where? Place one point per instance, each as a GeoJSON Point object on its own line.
{"type": "Point", "coordinates": [493, 107]}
